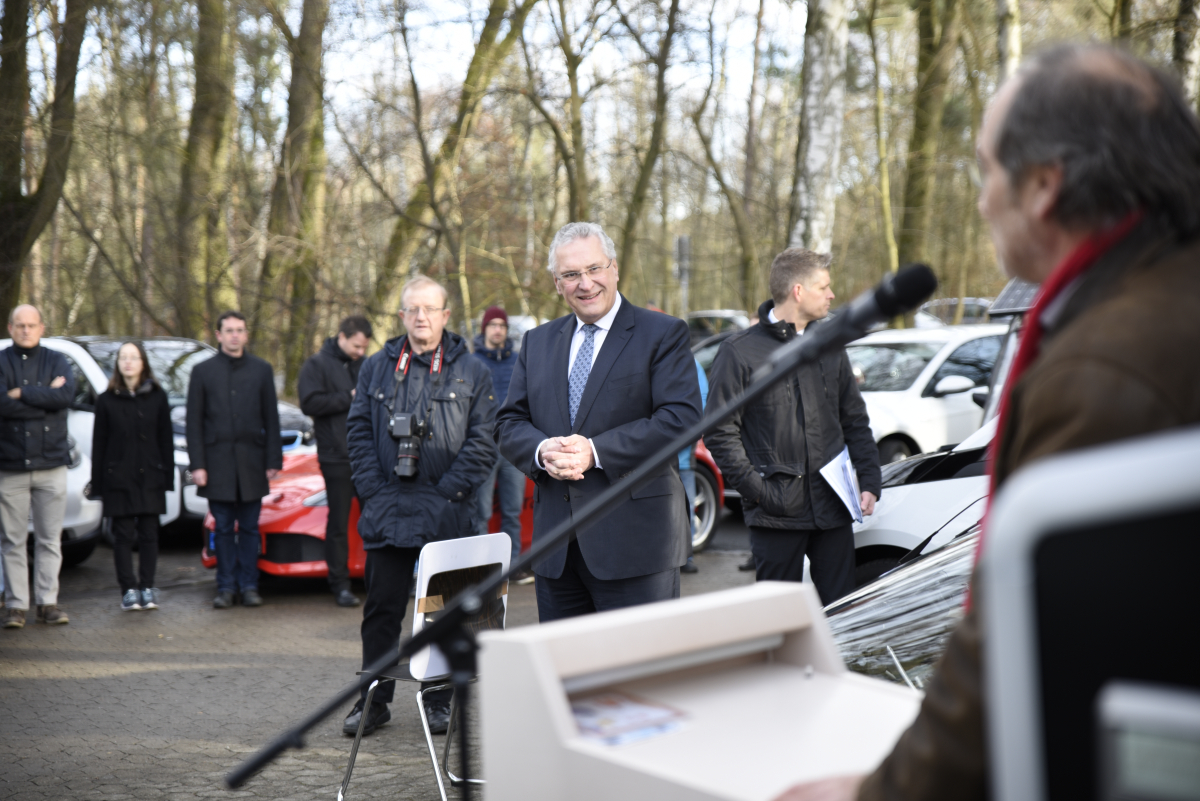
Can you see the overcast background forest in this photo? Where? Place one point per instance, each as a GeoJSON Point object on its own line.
{"type": "Point", "coordinates": [163, 160]}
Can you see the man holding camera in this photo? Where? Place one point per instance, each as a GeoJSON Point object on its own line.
{"type": "Point", "coordinates": [420, 440]}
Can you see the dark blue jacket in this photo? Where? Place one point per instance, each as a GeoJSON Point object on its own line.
{"type": "Point", "coordinates": [642, 392]}
{"type": "Point", "coordinates": [33, 428]}
{"type": "Point", "coordinates": [501, 362]}
{"type": "Point", "coordinates": [456, 455]}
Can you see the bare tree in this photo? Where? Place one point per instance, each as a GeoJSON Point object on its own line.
{"type": "Point", "coordinates": [1008, 37]}
{"type": "Point", "coordinates": [26, 210]}
{"type": "Point", "coordinates": [1185, 52]}
{"type": "Point", "coordinates": [822, 112]}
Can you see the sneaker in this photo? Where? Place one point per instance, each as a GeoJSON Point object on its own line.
{"type": "Point", "coordinates": [689, 566]}
{"type": "Point", "coordinates": [346, 598]}
{"type": "Point", "coordinates": [150, 598]}
{"type": "Point", "coordinates": [378, 716]}
{"type": "Point", "coordinates": [14, 618]}
{"type": "Point", "coordinates": [523, 577]}
{"type": "Point", "coordinates": [52, 615]}
{"type": "Point", "coordinates": [438, 715]}
{"type": "Point", "coordinates": [251, 597]}
{"type": "Point", "coordinates": [749, 564]}
{"type": "Point", "coordinates": [131, 601]}
{"type": "Point", "coordinates": [224, 600]}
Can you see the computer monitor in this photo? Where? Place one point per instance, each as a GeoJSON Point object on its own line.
{"type": "Point", "coordinates": [1087, 582]}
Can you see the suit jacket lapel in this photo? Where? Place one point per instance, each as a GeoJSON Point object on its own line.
{"type": "Point", "coordinates": [559, 361]}
{"type": "Point", "coordinates": [614, 342]}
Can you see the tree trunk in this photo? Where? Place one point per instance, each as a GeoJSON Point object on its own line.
{"type": "Point", "coordinates": [201, 256]}
{"type": "Point", "coordinates": [1186, 51]}
{"type": "Point", "coordinates": [297, 218]}
{"type": "Point", "coordinates": [413, 225]}
{"type": "Point", "coordinates": [1122, 21]}
{"type": "Point", "coordinates": [881, 150]}
{"type": "Point", "coordinates": [822, 112]}
{"type": "Point", "coordinates": [749, 276]}
{"type": "Point", "coordinates": [1008, 37]}
{"type": "Point", "coordinates": [933, 71]}
{"type": "Point", "coordinates": [23, 216]}
{"type": "Point", "coordinates": [661, 58]}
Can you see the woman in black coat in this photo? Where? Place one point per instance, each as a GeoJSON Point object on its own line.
{"type": "Point", "coordinates": [133, 466]}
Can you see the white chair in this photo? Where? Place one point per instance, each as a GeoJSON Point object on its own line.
{"type": "Point", "coordinates": [443, 570]}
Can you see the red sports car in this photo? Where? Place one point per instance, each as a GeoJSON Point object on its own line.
{"type": "Point", "coordinates": [292, 522]}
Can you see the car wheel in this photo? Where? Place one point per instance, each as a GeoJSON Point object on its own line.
{"type": "Point", "coordinates": [704, 510]}
{"type": "Point", "coordinates": [74, 553]}
{"type": "Point", "coordinates": [893, 450]}
{"type": "Point", "coordinates": [869, 571]}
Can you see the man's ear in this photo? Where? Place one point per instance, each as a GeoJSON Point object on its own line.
{"type": "Point", "coordinates": [1044, 183]}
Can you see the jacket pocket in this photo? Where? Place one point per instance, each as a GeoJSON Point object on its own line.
{"type": "Point", "coordinates": [659, 486]}
{"type": "Point", "coordinates": [783, 491]}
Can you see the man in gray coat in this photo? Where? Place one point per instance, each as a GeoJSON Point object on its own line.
{"type": "Point", "coordinates": [235, 450]}
{"type": "Point", "coordinates": [36, 389]}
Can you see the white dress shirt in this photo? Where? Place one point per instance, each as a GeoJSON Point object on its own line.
{"type": "Point", "coordinates": [771, 318]}
{"type": "Point", "coordinates": [605, 323]}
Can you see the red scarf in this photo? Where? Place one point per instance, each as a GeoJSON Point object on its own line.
{"type": "Point", "coordinates": [1077, 262]}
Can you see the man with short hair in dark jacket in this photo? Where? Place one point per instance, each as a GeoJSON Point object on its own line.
{"type": "Point", "coordinates": [235, 449]}
{"type": "Point", "coordinates": [326, 388]}
{"type": "Point", "coordinates": [427, 373]}
{"type": "Point", "coordinates": [495, 349]}
{"type": "Point", "coordinates": [772, 451]}
{"type": "Point", "coordinates": [36, 390]}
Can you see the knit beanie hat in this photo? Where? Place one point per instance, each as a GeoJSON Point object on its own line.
{"type": "Point", "coordinates": [494, 313]}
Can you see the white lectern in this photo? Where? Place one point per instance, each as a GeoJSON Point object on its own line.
{"type": "Point", "coordinates": [730, 695]}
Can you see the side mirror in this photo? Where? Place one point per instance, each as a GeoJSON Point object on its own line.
{"type": "Point", "coordinates": [952, 385]}
{"type": "Point", "coordinates": [81, 406]}
{"type": "Point", "coordinates": [981, 397]}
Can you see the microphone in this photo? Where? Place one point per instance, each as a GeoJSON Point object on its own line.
{"type": "Point", "coordinates": [898, 293]}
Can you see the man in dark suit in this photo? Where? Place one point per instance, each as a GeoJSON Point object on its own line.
{"type": "Point", "coordinates": [592, 396]}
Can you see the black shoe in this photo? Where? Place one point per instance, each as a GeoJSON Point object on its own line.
{"type": "Point", "coordinates": [438, 715]}
{"type": "Point", "coordinates": [251, 598]}
{"type": "Point", "coordinates": [689, 567]}
{"type": "Point", "coordinates": [523, 577]}
{"type": "Point", "coordinates": [379, 715]}
{"type": "Point", "coordinates": [346, 598]}
{"type": "Point", "coordinates": [747, 565]}
{"type": "Point", "coordinates": [224, 600]}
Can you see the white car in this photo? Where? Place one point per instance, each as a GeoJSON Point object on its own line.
{"type": "Point", "coordinates": [918, 384]}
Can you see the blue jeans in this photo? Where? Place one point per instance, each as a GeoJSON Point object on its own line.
{"type": "Point", "coordinates": [512, 496]}
{"type": "Point", "coordinates": [237, 552]}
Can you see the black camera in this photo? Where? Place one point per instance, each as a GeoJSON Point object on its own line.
{"type": "Point", "coordinates": [408, 431]}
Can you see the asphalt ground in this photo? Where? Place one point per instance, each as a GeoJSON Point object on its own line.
{"type": "Point", "coordinates": [162, 704]}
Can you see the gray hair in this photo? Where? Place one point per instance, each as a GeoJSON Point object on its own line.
{"type": "Point", "coordinates": [1121, 130]}
{"type": "Point", "coordinates": [579, 230]}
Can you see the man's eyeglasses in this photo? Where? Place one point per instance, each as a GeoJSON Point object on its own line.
{"type": "Point", "coordinates": [413, 311]}
{"type": "Point", "coordinates": [574, 277]}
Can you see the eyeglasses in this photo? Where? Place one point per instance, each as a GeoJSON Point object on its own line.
{"type": "Point", "coordinates": [413, 311]}
{"type": "Point", "coordinates": [574, 277]}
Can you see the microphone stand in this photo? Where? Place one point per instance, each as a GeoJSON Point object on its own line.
{"type": "Point", "coordinates": [897, 294]}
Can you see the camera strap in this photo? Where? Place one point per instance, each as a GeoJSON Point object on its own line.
{"type": "Point", "coordinates": [405, 361]}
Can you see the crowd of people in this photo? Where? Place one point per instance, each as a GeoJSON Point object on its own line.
{"type": "Point", "coordinates": [428, 428]}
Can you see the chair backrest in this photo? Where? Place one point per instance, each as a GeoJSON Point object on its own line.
{"type": "Point", "coordinates": [1088, 595]}
{"type": "Point", "coordinates": [446, 568]}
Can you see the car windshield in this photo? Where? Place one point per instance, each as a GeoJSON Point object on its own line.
{"type": "Point", "coordinates": [171, 360]}
{"type": "Point", "coordinates": [890, 367]}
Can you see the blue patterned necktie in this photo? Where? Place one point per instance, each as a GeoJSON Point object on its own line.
{"type": "Point", "coordinates": [581, 369]}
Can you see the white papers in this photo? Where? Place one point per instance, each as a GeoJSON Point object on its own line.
{"type": "Point", "coordinates": [615, 718]}
{"type": "Point", "coordinates": [841, 476]}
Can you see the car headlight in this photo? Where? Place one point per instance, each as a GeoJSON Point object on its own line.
{"type": "Point", "coordinates": [317, 499]}
{"type": "Point", "coordinates": [185, 478]}
{"type": "Point", "coordinates": [180, 441]}
{"type": "Point", "coordinates": [76, 458]}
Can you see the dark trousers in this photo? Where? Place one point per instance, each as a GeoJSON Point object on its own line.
{"type": "Point", "coordinates": [143, 529]}
{"type": "Point", "coordinates": [389, 578]}
{"type": "Point", "coordinates": [779, 556]}
{"type": "Point", "coordinates": [577, 592]}
{"type": "Point", "coordinates": [237, 551]}
{"type": "Point", "coordinates": [339, 490]}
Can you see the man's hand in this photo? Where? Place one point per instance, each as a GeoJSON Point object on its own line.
{"type": "Point", "coordinates": [352, 391]}
{"type": "Point", "coordinates": [867, 502]}
{"type": "Point", "coordinates": [59, 381]}
{"type": "Point", "coordinates": [841, 788]}
{"type": "Point", "coordinates": [271, 474]}
{"type": "Point", "coordinates": [567, 458]}
{"type": "Point", "coordinates": [200, 477]}
{"type": "Point", "coordinates": [15, 392]}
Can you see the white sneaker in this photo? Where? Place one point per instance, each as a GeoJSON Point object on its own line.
{"type": "Point", "coordinates": [131, 601]}
{"type": "Point", "coordinates": [150, 598]}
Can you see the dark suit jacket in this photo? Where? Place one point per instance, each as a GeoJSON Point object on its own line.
{"type": "Point", "coordinates": [642, 392]}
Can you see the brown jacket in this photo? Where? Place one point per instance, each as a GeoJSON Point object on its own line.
{"type": "Point", "coordinates": [1117, 361]}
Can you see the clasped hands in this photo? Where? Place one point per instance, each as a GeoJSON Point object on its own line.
{"type": "Point", "coordinates": [567, 458]}
{"type": "Point", "coordinates": [59, 381]}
